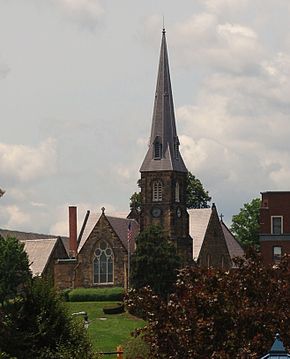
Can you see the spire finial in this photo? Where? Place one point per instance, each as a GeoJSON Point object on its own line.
{"type": "Point", "coordinates": [163, 27]}
{"type": "Point", "coordinates": [103, 210]}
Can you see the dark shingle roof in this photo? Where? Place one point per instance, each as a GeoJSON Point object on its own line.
{"type": "Point", "coordinates": [163, 122]}
{"type": "Point", "coordinates": [22, 236]}
{"type": "Point", "coordinates": [120, 226]}
{"type": "Point", "coordinates": [234, 247]}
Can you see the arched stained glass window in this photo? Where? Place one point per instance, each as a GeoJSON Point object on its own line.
{"type": "Point", "coordinates": [157, 191]}
{"type": "Point", "coordinates": [103, 264]}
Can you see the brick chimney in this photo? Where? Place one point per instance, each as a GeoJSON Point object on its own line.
{"type": "Point", "coordinates": [73, 231]}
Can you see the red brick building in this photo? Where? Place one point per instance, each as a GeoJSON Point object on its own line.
{"type": "Point", "coordinates": [274, 225]}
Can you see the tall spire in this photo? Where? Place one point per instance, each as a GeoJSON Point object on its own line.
{"type": "Point", "coordinates": [163, 153]}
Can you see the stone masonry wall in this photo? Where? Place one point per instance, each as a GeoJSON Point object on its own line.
{"type": "Point", "coordinates": [84, 271]}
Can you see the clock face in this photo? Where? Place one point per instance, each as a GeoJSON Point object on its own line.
{"type": "Point", "coordinates": [156, 212]}
{"type": "Point", "coordinates": [178, 212]}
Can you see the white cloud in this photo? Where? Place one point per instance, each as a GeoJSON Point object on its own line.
{"type": "Point", "coordinates": [86, 12]}
{"type": "Point", "coordinates": [27, 163]}
{"type": "Point", "coordinates": [16, 217]}
{"type": "Point", "coordinates": [229, 47]}
{"type": "Point", "coordinates": [220, 6]}
{"type": "Point", "coordinates": [61, 225]}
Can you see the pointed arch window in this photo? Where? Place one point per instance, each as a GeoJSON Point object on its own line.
{"type": "Point", "coordinates": [103, 263]}
{"type": "Point", "coordinates": [157, 148]}
{"type": "Point", "coordinates": [157, 191]}
{"type": "Point", "coordinates": [177, 192]}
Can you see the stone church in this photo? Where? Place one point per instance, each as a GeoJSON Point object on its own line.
{"type": "Point", "coordinates": [98, 254]}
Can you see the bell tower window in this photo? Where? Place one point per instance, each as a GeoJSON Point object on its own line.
{"type": "Point", "coordinates": [157, 149]}
{"type": "Point", "coordinates": [157, 191]}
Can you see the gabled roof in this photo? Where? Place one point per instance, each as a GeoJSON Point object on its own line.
{"type": "Point", "coordinates": [234, 247]}
{"type": "Point", "coordinates": [22, 236]}
{"type": "Point", "coordinates": [163, 123]}
{"type": "Point", "coordinates": [119, 225]}
{"type": "Point", "coordinates": [198, 223]}
{"type": "Point", "coordinates": [91, 221]}
{"type": "Point", "coordinates": [39, 251]}
{"type": "Point", "coordinates": [277, 351]}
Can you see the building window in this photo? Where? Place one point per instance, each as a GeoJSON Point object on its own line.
{"type": "Point", "coordinates": [157, 191]}
{"type": "Point", "coordinates": [157, 149]}
{"type": "Point", "coordinates": [176, 148]}
{"type": "Point", "coordinates": [103, 264]}
{"type": "Point", "coordinates": [277, 225]}
{"type": "Point", "coordinates": [177, 192]}
{"type": "Point", "coordinates": [277, 254]}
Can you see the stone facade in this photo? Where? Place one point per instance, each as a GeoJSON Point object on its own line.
{"type": "Point", "coordinates": [214, 251]}
{"type": "Point", "coordinates": [173, 214]}
{"type": "Point", "coordinates": [84, 272]}
{"type": "Point", "coordinates": [64, 273]}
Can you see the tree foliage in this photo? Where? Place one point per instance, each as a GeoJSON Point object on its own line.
{"type": "Point", "coordinates": [14, 267]}
{"type": "Point", "coordinates": [37, 325]}
{"type": "Point", "coordinates": [196, 195]}
{"type": "Point", "coordinates": [245, 225]}
{"type": "Point", "coordinates": [218, 314]}
{"type": "Point", "coordinates": [154, 262]}
{"type": "Point", "coordinates": [135, 201]}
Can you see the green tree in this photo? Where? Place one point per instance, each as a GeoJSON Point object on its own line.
{"type": "Point", "coordinates": [14, 267]}
{"type": "Point", "coordinates": [37, 325]}
{"type": "Point", "coordinates": [218, 314]}
{"type": "Point", "coordinates": [196, 195]}
{"type": "Point", "coordinates": [155, 262]}
{"type": "Point", "coordinates": [135, 201]}
{"type": "Point", "coordinates": [245, 225]}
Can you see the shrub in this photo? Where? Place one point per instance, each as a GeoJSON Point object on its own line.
{"type": "Point", "coordinates": [137, 348]}
{"type": "Point", "coordinates": [114, 309]}
{"type": "Point", "coordinates": [96, 294]}
{"type": "Point", "coordinates": [64, 294]}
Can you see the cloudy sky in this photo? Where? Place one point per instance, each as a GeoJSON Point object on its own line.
{"type": "Point", "coordinates": [77, 82]}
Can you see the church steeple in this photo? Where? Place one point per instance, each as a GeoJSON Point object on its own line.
{"type": "Point", "coordinates": [163, 173]}
{"type": "Point", "coordinates": [163, 153]}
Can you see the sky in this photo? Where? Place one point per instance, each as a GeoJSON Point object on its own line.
{"type": "Point", "coordinates": [77, 83]}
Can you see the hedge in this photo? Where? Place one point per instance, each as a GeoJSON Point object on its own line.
{"type": "Point", "coordinates": [96, 294]}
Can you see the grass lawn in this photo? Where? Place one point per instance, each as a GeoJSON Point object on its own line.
{"type": "Point", "coordinates": [106, 331]}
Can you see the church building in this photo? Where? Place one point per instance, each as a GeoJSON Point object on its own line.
{"type": "Point", "coordinates": [98, 254]}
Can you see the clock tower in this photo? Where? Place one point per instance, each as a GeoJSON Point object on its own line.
{"type": "Point", "coordinates": [163, 172]}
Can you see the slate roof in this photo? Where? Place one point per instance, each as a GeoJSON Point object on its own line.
{"type": "Point", "coordinates": [39, 252]}
{"type": "Point", "coordinates": [234, 247]}
{"type": "Point", "coordinates": [163, 122]}
{"type": "Point", "coordinates": [24, 236]}
{"type": "Point", "coordinates": [119, 224]}
{"type": "Point", "coordinates": [198, 223]}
